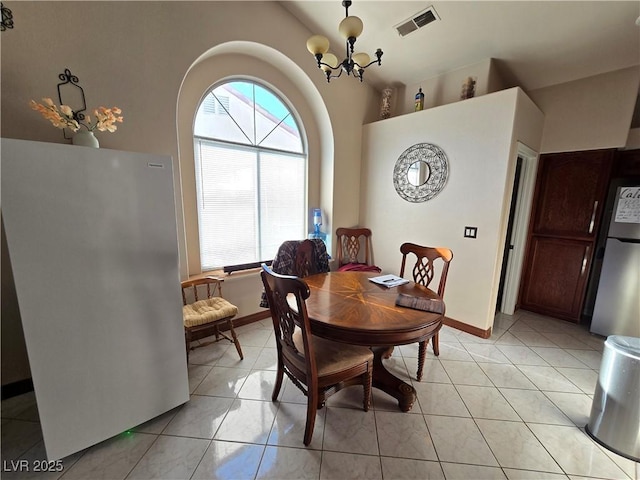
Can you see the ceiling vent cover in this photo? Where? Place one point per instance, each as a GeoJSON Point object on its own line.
{"type": "Point", "coordinates": [417, 21]}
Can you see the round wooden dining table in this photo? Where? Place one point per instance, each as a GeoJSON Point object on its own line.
{"type": "Point", "coordinates": [347, 307]}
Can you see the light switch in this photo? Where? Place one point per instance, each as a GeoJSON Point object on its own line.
{"type": "Point", "coordinates": [470, 232]}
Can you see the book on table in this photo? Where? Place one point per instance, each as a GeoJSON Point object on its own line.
{"type": "Point", "coordinates": [389, 281]}
{"type": "Point", "coordinates": [427, 304]}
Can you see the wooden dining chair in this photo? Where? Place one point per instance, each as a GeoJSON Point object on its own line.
{"type": "Point", "coordinates": [351, 241]}
{"type": "Point", "coordinates": [305, 260]}
{"type": "Point", "coordinates": [299, 258]}
{"type": "Point", "coordinates": [318, 367]}
{"type": "Point", "coordinates": [423, 273]}
{"type": "Point", "coordinates": [203, 318]}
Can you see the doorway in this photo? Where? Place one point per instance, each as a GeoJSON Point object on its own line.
{"type": "Point", "coordinates": [516, 235]}
{"type": "Point", "coordinates": [508, 245]}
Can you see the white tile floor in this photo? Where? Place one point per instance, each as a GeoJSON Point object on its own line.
{"type": "Point", "coordinates": [510, 407]}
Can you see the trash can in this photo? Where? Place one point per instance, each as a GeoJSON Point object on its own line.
{"type": "Point", "coordinates": [615, 412]}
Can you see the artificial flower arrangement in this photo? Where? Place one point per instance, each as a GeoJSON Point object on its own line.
{"type": "Point", "coordinates": [65, 117]}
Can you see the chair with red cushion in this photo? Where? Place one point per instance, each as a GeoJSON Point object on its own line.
{"type": "Point", "coordinates": [351, 242]}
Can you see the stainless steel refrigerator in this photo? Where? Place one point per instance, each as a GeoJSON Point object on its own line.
{"type": "Point", "coordinates": [617, 306]}
{"type": "Point", "coordinates": [92, 240]}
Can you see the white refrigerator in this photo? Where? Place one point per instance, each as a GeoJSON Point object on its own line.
{"type": "Point", "coordinates": [617, 307]}
{"type": "Point", "coordinates": [92, 240]}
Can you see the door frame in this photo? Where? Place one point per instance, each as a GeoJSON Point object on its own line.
{"type": "Point", "coordinates": [520, 226]}
{"type": "Point", "coordinates": [508, 246]}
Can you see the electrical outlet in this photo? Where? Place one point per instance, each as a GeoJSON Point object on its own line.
{"type": "Point", "coordinates": [470, 232]}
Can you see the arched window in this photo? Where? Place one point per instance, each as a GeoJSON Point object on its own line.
{"type": "Point", "coordinates": [251, 167]}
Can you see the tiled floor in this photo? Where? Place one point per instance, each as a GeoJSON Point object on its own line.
{"type": "Point", "coordinates": [510, 407]}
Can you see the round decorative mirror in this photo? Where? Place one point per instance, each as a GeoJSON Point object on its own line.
{"type": "Point", "coordinates": [420, 172]}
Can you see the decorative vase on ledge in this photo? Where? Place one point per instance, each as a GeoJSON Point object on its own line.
{"type": "Point", "coordinates": [385, 105]}
{"type": "Point", "coordinates": [85, 138]}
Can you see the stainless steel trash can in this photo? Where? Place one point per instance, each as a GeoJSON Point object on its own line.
{"type": "Point", "coordinates": [615, 412]}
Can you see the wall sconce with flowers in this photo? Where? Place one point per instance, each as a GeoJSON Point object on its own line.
{"type": "Point", "coordinates": [63, 116]}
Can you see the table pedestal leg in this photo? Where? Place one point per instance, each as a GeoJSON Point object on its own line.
{"type": "Point", "coordinates": [389, 383]}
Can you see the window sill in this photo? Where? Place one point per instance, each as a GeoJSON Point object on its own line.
{"type": "Point", "coordinates": [220, 274]}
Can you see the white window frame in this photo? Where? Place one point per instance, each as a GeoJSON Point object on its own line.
{"type": "Point", "coordinates": [258, 151]}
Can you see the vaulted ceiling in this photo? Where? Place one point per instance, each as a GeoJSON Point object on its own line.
{"type": "Point", "coordinates": [534, 44]}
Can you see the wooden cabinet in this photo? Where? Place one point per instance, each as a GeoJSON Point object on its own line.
{"type": "Point", "coordinates": [627, 164]}
{"type": "Point", "coordinates": [567, 208]}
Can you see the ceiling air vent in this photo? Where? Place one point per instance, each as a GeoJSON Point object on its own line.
{"type": "Point", "coordinates": [418, 20]}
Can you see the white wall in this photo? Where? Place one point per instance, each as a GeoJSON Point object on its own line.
{"type": "Point", "coordinates": [588, 114]}
{"type": "Point", "coordinates": [527, 133]}
{"type": "Point", "coordinates": [478, 137]}
{"type": "Point", "coordinates": [633, 139]}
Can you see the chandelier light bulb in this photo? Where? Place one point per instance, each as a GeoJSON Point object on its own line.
{"type": "Point", "coordinates": [318, 44]}
{"type": "Point", "coordinates": [331, 60]}
{"type": "Point", "coordinates": [361, 60]}
{"type": "Point", "coordinates": [351, 27]}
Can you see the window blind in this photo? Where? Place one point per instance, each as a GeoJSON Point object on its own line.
{"type": "Point", "coordinates": [250, 200]}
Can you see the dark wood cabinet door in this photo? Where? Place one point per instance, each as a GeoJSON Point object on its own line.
{"type": "Point", "coordinates": [571, 187]}
{"type": "Point", "coordinates": [567, 208]}
{"type": "Point", "coordinates": [557, 276]}
{"type": "Point", "coordinates": [627, 164]}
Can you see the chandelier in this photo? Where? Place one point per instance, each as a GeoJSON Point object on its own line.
{"type": "Point", "coordinates": [350, 28]}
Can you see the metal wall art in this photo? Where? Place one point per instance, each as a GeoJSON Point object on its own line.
{"type": "Point", "coordinates": [7, 18]}
{"type": "Point", "coordinates": [74, 94]}
{"type": "Point", "coordinates": [421, 172]}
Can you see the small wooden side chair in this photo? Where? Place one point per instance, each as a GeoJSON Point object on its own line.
{"type": "Point", "coordinates": [318, 367]}
{"type": "Point", "coordinates": [203, 318]}
{"type": "Point", "coordinates": [350, 243]}
{"type": "Point", "coordinates": [423, 273]}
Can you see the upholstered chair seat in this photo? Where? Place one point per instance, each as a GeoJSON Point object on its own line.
{"type": "Point", "coordinates": [318, 367]}
{"type": "Point", "coordinates": [207, 311]}
{"type": "Point", "coordinates": [203, 318]}
{"type": "Point", "coordinates": [332, 357]}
